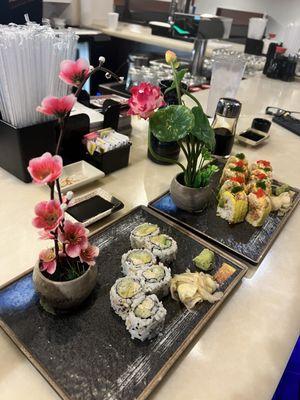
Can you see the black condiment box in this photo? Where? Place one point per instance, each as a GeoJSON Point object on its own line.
{"type": "Point", "coordinates": [111, 160]}
{"type": "Point", "coordinates": [19, 145]}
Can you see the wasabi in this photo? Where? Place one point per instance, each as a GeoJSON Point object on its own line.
{"type": "Point", "coordinates": [205, 260]}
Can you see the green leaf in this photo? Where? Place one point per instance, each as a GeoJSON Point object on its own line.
{"type": "Point", "coordinates": [171, 123]}
{"type": "Point", "coordinates": [202, 129]}
{"type": "Point", "coordinates": [203, 176]}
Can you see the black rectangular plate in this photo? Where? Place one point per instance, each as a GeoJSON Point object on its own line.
{"type": "Point", "coordinates": [88, 355]}
{"type": "Point", "coordinates": [242, 240]}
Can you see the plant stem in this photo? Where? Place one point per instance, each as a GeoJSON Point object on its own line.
{"type": "Point", "coordinates": [59, 191]}
{"type": "Point", "coordinates": [187, 93]}
{"type": "Point", "coordinates": [63, 121]}
{"type": "Point", "coordinates": [51, 186]}
{"type": "Point", "coordinates": [176, 85]}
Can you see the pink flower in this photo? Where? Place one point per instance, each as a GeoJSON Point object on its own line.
{"type": "Point", "coordinates": [91, 136]}
{"type": "Point", "coordinates": [45, 169]}
{"type": "Point", "coordinates": [48, 260]}
{"type": "Point", "coordinates": [56, 106]}
{"type": "Point", "coordinates": [145, 98]}
{"type": "Point", "coordinates": [74, 72]}
{"type": "Point", "coordinates": [46, 235]}
{"type": "Point", "coordinates": [74, 237]}
{"type": "Point", "coordinates": [89, 254]}
{"type": "Point", "coordinates": [48, 215]}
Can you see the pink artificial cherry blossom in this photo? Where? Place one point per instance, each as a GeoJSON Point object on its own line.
{"type": "Point", "coordinates": [89, 254]}
{"type": "Point", "coordinates": [74, 237]}
{"type": "Point", "coordinates": [48, 215]}
{"type": "Point", "coordinates": [145, 99]}
{"type": "Point", "coordinates": [91, 136]}
{"type": "Point", "coordinates": [45, 169]}
{"type": "Point", "coordinates": [74, 72]}
{"type": "Point", "coordinates": [58, 107]}
{"type": "Point", "coordinates": [46, 235]}
{"type": "Point", "coordinates": [48, 261]}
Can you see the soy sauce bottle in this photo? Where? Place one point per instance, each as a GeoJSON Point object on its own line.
{"type": "Point", "coordinates": [224, 125]}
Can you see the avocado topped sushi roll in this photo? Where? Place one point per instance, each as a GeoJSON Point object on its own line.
{"type": "Point", "coordinates": [146, 317]}
{"type": "Point", "coordinates": [123, 293]}
{"type": "Point", "coordinates": [156, 280]}
{"type": "Point", "coordinates": [141, 233]}
{"type": "Point", "coordinates": [233, 205]}
{"type": "Point", "coordinates": [259, 208]}
{"type": "Point", "coordinates": [163, 247]}
{"type": "Point", "coordinates": [136, 260]}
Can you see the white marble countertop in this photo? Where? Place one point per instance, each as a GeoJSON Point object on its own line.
{"type": "Point", "coordinates": [242, 352]}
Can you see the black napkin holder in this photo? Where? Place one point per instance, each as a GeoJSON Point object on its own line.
{"type": "Point", "coordinates": [19, 145]}
{"type": "Point", "coordinates": [111, 160]}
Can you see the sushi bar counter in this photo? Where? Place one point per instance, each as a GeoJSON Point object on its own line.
{"type": "Point", "coordinates": [241, 352]}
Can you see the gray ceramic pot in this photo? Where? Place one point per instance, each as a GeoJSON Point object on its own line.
{"type": "Point", "coordinates": [189, 199]}
{"type": "Point", "coordinates": [64, 295]}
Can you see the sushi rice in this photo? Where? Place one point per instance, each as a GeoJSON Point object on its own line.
{"type": "Point", "coordinates": [163, 247]}
{"type": "Point", "coordinates": [146, 317]}
{"type": "Point", "coordinates": [123, 293]}
{"type": "Point", "coordinates": [137, 260]}
{"type": "Point", "coordinates": [141, 233]}
{"type": "Point", "coordinates": [156, 280]}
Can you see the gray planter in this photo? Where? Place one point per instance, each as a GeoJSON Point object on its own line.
{"type": "Point", "coordinates": [190, 199]}
{"type": "Point", "coordinates": [65, 295]}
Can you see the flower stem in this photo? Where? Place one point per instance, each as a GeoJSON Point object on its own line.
{"type": "Point", "coordinates": [63, 120]}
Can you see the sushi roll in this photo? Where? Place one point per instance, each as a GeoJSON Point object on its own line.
{"type": "Point", "coordinates": [137, 260]}
{"type": "Point", "coordinates": [141, 233]}
{"type": "Point", "coordinates": [236, 169]}
{"type": "Point", "coordinates": [264, 184]}
{"type": "Point", "coordinates": [259, 207]}
{"type": "Point", "coordinates": [156, 280]}
{"type": "Point", "coordinates": [237, 157]}
{"type": "Point", "coordinates": [146, 317]}
{"type": "Point", "coordinates": [123, 293]}
{"type": "Point", "coordinates": [231, 183]}
{"type": "Point", "coordinates": [163, 247]}
{"type": "Point", "coordinates": [233, 205]}
{"type": "Point", "coordinates": [263, 166]}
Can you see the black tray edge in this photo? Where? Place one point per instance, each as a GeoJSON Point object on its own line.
{"type": "Point", "coordinates": [163, 371]}
{"type": "Point", "coordinates": [228, 251]}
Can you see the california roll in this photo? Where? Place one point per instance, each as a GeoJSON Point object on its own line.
{"type": "Point", "coordinates": [146, 317]}
{"type": "Point", "coordinates": [123, 293]}
{"type": "Point", "coordinates": [163, 247]}
{"type": "Point", "coordinates": [156, 280]}
{"type": "Point", "coordinates": [141, 233]}
{"type": "Point", "coordinates": [137, 260]}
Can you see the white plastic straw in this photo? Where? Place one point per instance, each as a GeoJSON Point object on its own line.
{"type": "Point", "coordinates": [30, 56]}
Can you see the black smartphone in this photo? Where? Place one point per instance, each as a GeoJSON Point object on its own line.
{"type": "Point", "coordinates": [89, 208]}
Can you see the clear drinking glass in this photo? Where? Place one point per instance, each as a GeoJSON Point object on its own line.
{"type": "Point", "coordinates": [227, 72]}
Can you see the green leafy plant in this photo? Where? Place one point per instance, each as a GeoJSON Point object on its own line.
{"type": "Point", "coordinates": [190, 128]}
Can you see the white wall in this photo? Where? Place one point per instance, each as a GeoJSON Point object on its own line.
{"type": "Point", "coordinates": [280, 12]}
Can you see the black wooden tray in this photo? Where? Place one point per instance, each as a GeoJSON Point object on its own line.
{"type": "Point", "coordinates": [242, 240]}
{"type": "Point", "coordinates": [89, 355]}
